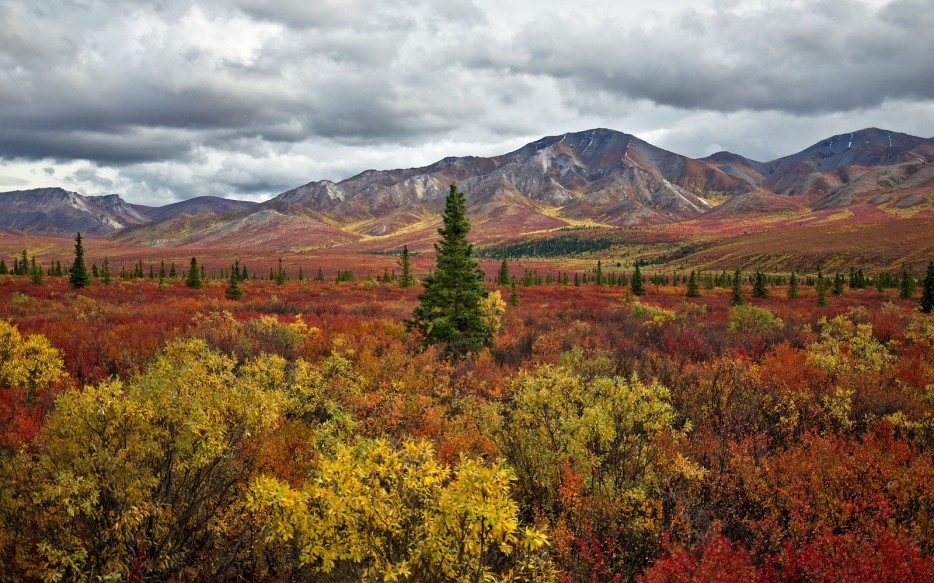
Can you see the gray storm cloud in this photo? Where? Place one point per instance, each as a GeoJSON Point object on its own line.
{"type": "Point", "coordinates": [171, 99]}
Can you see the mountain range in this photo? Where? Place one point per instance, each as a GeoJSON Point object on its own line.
{"type": "Point", "coordinates": [590, 178]}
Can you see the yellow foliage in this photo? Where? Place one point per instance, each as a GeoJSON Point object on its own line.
{"type": "Point", "coordinates": [142, 465]}
{"type": "Point", "coordinates": [656, 315]}
{"type": "Point", "coordinates": [389, 514]}
{"type": "Point", "coordinates": [492, 308]}
{"type": "Point", "coordinates": [30, 363]}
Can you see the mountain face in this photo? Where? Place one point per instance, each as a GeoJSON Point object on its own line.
{"type": "Point", "coordinates": [61, 212]}
{"type": "Point", "coordinates": [598, 176]}
{"type": "Point", "coordinates": [836, 161]}
{"type": "Point", "coordinates": [58, 211]}
{"type": "Point", "coordinates": [193, 206]}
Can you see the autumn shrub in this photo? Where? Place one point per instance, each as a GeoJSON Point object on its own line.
{"type": "Point", "coordinates": [590, 454]}
{"type": "Point", "coordinates": [139, 479]}
{"type": "Point", "coordinates": [747, 318]}
{"type": "Point", "coordinates": [372, 512]}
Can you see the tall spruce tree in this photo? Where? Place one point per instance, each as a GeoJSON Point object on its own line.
{"type": "Point", "coordinates": [105, 271]}
{"type": "Point", "coordinates": [637, 283]}
{"type": "Point", "coordinates": [759, 287]}
{"type": "Point", "coordinates": [37, 275]}
{"type": "Point", "coordinates": [502, 278]}
{"type": "Point", "coordinates": [194, 275]}
{"type": "Point", "coordinates": [24, 264]}
{"type": "Point", "coordinates": [906, 286]}
{"type": "Point", "coordinates": [693, 290]}
{"type": "Point", "coordinates": [927, 290]}
{"type": "Point", "coordinates": [738, 295]}
{"type": "Point", "coordinates": [79, 272]}
{"type": "Point", "coordinates": [821, 286]}
{"type": "Point", "coordinates": [793, 286]}
{"type": "Point", "coordinates": [513, 295]}
{"type": "Point", "coordinates": [233, 291]}
{"type": "Point", "coordinates": [406, 279]}
{"type": "Point", "coordinates": [448, 311]}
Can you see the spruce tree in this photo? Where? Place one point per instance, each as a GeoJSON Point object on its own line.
{"type": "Point", "coordinates": [637, 283]}
{"type": "Point", "coordinates": [927, 290]}
{"type": "Point", "coordinates": [105, 271]}
{"type": "Point", "coordinates": [693, 290]}
{"type": "Point", "coordinates": [598, 278]}
{"type": "Point", "coordinates": [280, 274]}
{"type": "Point", "coordinates": [793, 286]}
{"type": "Point", "coordinates": [3, 269]}
{"type": "Point", "coordinates": [759, 289]}
{"type": "Point", "coordinates": [37, 275]}
{"type": "Point", "coordinates": [23, 264]}
{"type": "Point", "coordinates": [406, 279]}
{"type": "Point", "coordinates": [737, 296]}
{"type": "Point", "coordinates": [513, 295]}
{"type": "Point", "coordinates": [194, 275]}
{"type": "Point", "coordinates": [837, 289]}
{"type": "Point", "coordinates": [233, 291]}
{"type": "Point", "coordinates": [173, 273]}
{"type": "Point", "coordinates": [906, 286]}
{"type": "Point", "coordinates": [502, 278]}
{"type": "Point", "coordinates": [821, 290]}
{"type": "Point", "coordinates": [79, 272]}
{"type": "Point", "coordinates": [449, 311]}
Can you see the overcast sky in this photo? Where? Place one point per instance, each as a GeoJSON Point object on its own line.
{"type": "Point", "coordinates": [163, 100]}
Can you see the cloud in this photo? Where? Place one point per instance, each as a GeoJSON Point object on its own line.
{"type": "Point", "coordinates": [166, 100]}
{"type": "Point", "coordinates": [798, 58]}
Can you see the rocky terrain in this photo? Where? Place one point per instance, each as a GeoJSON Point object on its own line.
{"type": "Point", "coordinates": [596, 177]}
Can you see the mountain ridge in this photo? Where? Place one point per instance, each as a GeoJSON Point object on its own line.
{"type": "Point", "coordinates": [594, 177]}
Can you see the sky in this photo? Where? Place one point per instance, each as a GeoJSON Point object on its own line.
{"type": "Point", "coordinates": [164, 100]}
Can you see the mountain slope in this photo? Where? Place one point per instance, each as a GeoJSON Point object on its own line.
{"type": "Point", "coordinates": [594, 176]}
{"type": "Point", "coordinates": [823, 166]}
{"type": "Point", "coordinates": [197, 205]}
{"type": "Point", "coordinates": [61, 212]}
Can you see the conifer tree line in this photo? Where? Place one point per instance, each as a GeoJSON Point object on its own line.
{"type": "Point", "coordinates": [836, 284]}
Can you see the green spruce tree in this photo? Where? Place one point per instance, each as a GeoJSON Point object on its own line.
{"type": "Point", "coordinates": [906, 285]}
{"type": "Point", "coordinates": [233, 291]}
{"type": "Point", "coordinates": [37, 275]}
{"type": "Point", "coordinates": [837, 288]}
{"type": "Point", "coordinates": [637, 283]}
{"type": "Point", "coordinates": [737, 295]}
{"type": "Point", "coordinates": [513, 294]}
{"type": "Point", "coordinates": [759, 287]}
{"type": "Point", "coordinates": [448, 312]}
{"type": "Point", "coordinates": [503, 278]}
{"type": "Point", "coordinates": [821, 286]}
{"type": "Point", "coordinates": [927, 290]}
{"type": "Point", "coordinates": [105, 271]}
{"type": "Point", "coordinates": [193, 280]}
{"type": "Point", "coordinates": [793, 286]}
{"type": "Point", "coordinates": [79, 272]}
{"type": "Point", "coordinates": [693, 290]}
{"type": "Point", "coordinates": [406, 279]}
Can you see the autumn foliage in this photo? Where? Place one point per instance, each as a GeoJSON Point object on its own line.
{"type": "Point", "coordinates": [152, 431]}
